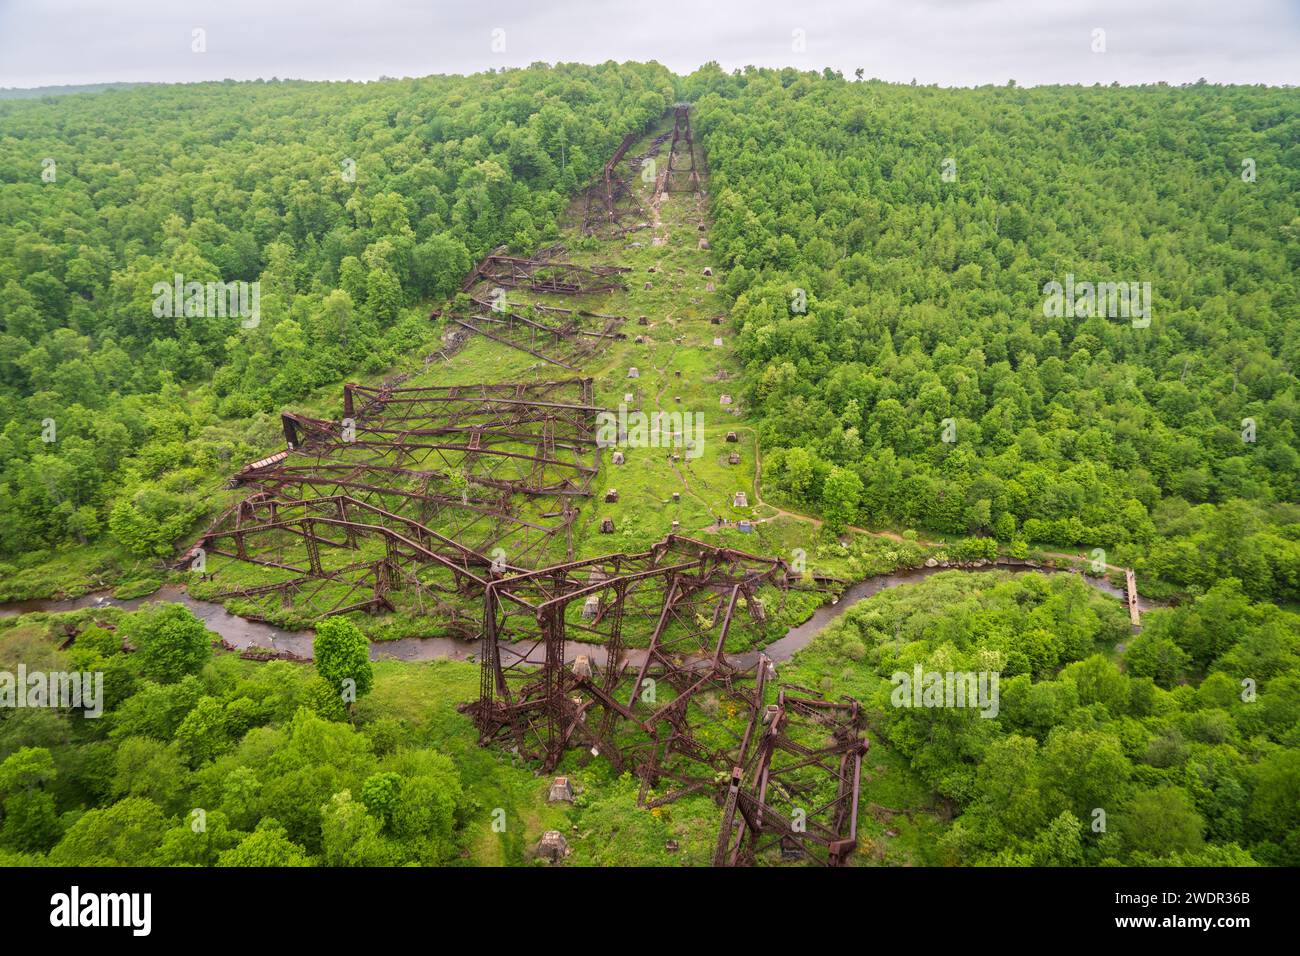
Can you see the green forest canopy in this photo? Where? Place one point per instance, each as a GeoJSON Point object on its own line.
{"type": "Point", "coordinates": [924, 307]}
{"type": "Point", "coordinates": [921, 292]}
{"type": "Point", "coordinates": [923, 304]}
{"type": "Point", "coordinates": [1177, 747]}
{"type": "Point", "coordinates": [350, 203]}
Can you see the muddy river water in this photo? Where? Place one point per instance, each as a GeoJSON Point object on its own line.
{"type": "Point", "coordinates": [242, 633]}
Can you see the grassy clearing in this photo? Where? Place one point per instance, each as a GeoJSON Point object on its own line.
{"type": "Point", "coordinates": [604, 826]}
{"type": "Point", "coordinates": [423, 697]}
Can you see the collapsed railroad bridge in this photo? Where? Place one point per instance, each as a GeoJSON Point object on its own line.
{"type": "Point", "coordinates": [413, 500]}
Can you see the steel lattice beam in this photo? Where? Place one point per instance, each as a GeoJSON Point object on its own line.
{"type": "Point", "coordinates": [682, 134]}
{"type": "Point", "coordinates": [543, 275]}
{"type": "Point", "coordinates": [454, 472]}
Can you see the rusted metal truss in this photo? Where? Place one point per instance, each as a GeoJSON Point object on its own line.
{"type": "Point", "coordinates": [611, 200]}
{"type": "Point", "coordinates": [428, 480]}
{"type": "Point", "coordinates": [334, 554]}
{"type": "Point", "coordinates": [678, 177]}
{"type": "Point", "coordinates": [796, 784]}
{"type": "Point", "coordinates": [571, 335]}
{"type": "Point", "coordinates": [671, 596]}
{"type": "Point", "coordinates": [656, 144]}
{"type": "Point", "coordinates": [660, 670]}
{"type": "Point", "coordinates": [543, 275]}
{"type": "Point", "coordinates": [603, 197]}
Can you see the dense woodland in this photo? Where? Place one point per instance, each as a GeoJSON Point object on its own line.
{"type": "Point", "coordinates": [924, 302]}
{"type": "Point", "coordinates": [876, 303]}
{"type": "Point", "coordinates": [250, 181]}
{"type": "Point", "coordinates": [203, 762]}
{"type": "Point", "coordinates": [1156, 731]}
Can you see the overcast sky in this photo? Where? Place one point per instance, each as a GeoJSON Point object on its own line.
{"type": "Point", "coordinates": [950, 42]}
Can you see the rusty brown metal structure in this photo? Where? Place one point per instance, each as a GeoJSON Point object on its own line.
{"type": "Point", "coordinates": [487, 465]}
{"type": "Point", "coordinates": [611, 199]}
{"type": "Point", "coordinates": [679, 178]}
{"type": "Point", "coordinates": [570, 336]}
{"type": "Point", "coordinates": [679, 598]}
{"type": "Point", "coordinates": [558, 336]}
{"type": "Point", "coordinates": [543, 274]}
{"type": "Point", "coordinates": [334, 554]}
{"type": "Point", "coordinates": [642, 706]}
{"type": "Point", "coordinates": [411, 485]}
{"type": "Point", "coordinates": [656, 144]}
{"type": "Point", "coordinates": [796, 783]}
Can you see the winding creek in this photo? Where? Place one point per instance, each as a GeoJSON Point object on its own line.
{"type": "Point", "coordinates": [241, 633]}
